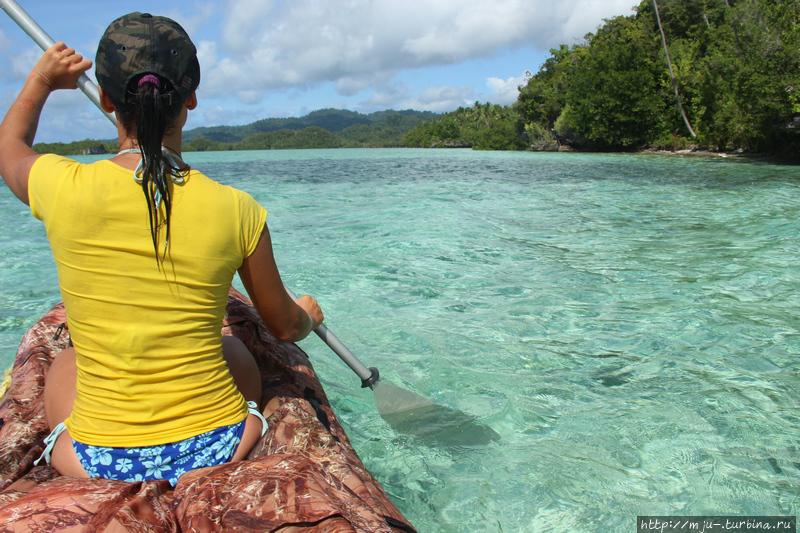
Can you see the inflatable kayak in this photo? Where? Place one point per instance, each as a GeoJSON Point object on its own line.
{"type": "Point", "coordinates": [302, 474]}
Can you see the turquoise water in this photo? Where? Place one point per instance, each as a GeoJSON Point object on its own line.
{"type": "Point", "coordinates": [627, 324]}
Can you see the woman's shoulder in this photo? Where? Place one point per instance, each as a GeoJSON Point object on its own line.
{"type": "Point", "coordinates": [206, 185]}
{"type": "Point", "coordinates": [50, 170]}
{"type": "Point", "coordinates": [207, 181]}
{"type": "Point", "coordinates": [57, 161]}
{"type": "Point", "coordinates": [202, 182]}
{"type": "Point", "coordinates": [51, 160]}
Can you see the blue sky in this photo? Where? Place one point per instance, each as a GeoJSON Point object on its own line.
{"type": "Point", "coordinates": [277, 58]}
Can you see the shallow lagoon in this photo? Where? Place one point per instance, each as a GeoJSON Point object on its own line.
{"type": "Point", "coordinates": [628, 324]}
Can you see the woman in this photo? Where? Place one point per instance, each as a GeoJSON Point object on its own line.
{"type": "Point", "coordinates": [146, 249]}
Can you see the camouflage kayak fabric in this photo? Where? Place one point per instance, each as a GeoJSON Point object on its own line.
{"type": "Point", "coordinates": [303, 475]}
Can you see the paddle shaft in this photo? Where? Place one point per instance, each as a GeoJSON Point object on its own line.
{"type": "Point", "coordinates": [369, 376]}
{"type": "Point", "coordinates": [44, 41]}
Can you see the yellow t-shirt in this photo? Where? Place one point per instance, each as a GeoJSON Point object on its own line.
{"type": "Point", "coordinates": [148, 343]}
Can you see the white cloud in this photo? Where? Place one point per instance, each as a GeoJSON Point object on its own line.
{"type": "Point", "coordinates": [23, 63]}
{"type": "Point", "coordinates": [398, 96]}
{"type": "Point", "coordinates": [68, 113]}
{"type": "Point", "coordinates": [269, 44]}
{"type": "Point", "coordinates": [250, 97]}
{"type": "Point", "coordinates": [246, 20]}
{"type": "Point", "coordinates": [350, 85]}
{"type": "Point", "coordinates": [200, 14]}
{"type": "Point", "coordinates": [387, 96]}
{"type": "Point", "coordinates": [5, 43]}
{"type": "Point", "coordinates": [442, 98]}
{"type": "Point", "coordinates": [505, 91]}
{"type": "Point", "coordinates": [215, 114]}
{"type": "Point", "coordinates": [206, 53]}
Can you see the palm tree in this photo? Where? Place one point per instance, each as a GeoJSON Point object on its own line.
{"type": "Point", "coordinates": [672, 74]}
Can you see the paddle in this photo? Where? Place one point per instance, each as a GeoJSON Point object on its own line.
{"type": "Point", "coordinates": [404, 410]}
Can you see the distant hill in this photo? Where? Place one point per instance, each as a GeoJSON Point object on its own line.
{"type": "Point", "coordinates": [333, 120]}
{"type": "Point", "coordinates": [325, 128]}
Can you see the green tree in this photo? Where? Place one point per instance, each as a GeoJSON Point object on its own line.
{"type": "Point", "coordinates": [615, 92]}
{"type": "Point", "coordinates": [482, 126]}
{"type": "Point", "coordinates": [543, 97]}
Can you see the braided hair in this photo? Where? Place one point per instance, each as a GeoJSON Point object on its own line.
{"type": "Point", "coordinates": [151, 107]}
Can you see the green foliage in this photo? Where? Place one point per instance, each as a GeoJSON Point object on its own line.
{"type": "Point", "coordinates": [737, 68]}
{"type": "Point", "coordinates": [735, 65]}
{"type": "Point", "coordinates": [671, 142]}
{"type": "Point", "coordinates": [616, 90]}
{"type": "Point", "coordinates": [443, 132]}
{"type": "Point", "coordinates": [382, 128]}
{"type": "Point", "coordinates": [543, 98]}
{"type": "Point", "coordinates": [311, 137]}
{"type": "Point", "coordinates": [743, 92]}
{"type": "Point", "coordinates": [540, 139]}
{"type": "Point", "coordinates": [566, 127]}
{"type": "Point", "coordinates": [88, 146]}
{"type": "Point", "coordinates": [205, 145]}
{"type": "Point", "coordinates": [326, 128]}
{"type": "Point", "coordinates": [385, 129]}
{"type": "Point", "coordinates": [482, 127]}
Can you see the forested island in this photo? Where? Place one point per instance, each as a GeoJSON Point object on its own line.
{"type": "Point", "coordinates": [718, 75]}
{"type": "Point", "coordinates": [735, 85]}
{"type": "Point", "coordinates": [325, 128]}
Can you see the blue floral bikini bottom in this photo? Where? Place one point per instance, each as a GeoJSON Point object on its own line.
{"type": "Point", "coordinates": [164, 461]}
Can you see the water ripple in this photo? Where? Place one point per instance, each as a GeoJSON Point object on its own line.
{"type": "Point", "coordinates": [628, 324]}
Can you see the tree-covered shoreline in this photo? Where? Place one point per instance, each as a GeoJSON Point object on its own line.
{"type": "Point", "coordinates": [732, 67]}
{"type": "Point", "coordinates": [708, 75]}
{"type": "Point", "coordinates": [324, 128]}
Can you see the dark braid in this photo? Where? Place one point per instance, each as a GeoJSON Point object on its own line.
{"type": "Point", "coordinates": [152, 109]}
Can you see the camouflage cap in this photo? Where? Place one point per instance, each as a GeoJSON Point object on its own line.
{"type": "Point", "coordinates": [139, 43]}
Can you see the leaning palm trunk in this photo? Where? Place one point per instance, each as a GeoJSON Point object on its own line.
{"type": "Point", "coordinates": [672, 74]}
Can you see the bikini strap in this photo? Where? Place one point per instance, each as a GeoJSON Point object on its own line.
{"type": "Point", "coordinates": [252, 408]}
{"type": "Point", "coordinates": [50, 442]}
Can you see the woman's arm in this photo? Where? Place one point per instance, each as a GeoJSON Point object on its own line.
{"type": "Point", "coordinates": [286, 319]}
{"type": "Point", "coordinates": [59, 68]}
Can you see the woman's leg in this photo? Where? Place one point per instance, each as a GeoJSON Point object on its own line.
{"type": "Point", "coordinates": [59, 395]}
{"type": "Point", "coordinates": [247, 377]}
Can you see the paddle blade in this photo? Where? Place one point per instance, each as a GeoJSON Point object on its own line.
{"type": "Point", "coordinates": [416, 415]}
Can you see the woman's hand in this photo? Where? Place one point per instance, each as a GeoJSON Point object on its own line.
{"type": "Point", "coordinates": [312, 308]}
{"type": "Point", "coordinates": [60, 67]}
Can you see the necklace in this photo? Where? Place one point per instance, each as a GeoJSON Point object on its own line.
{"type": "Point", "coordinates": [172, 157]}
{"type": "Point", "coordinates": [170, 154]}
